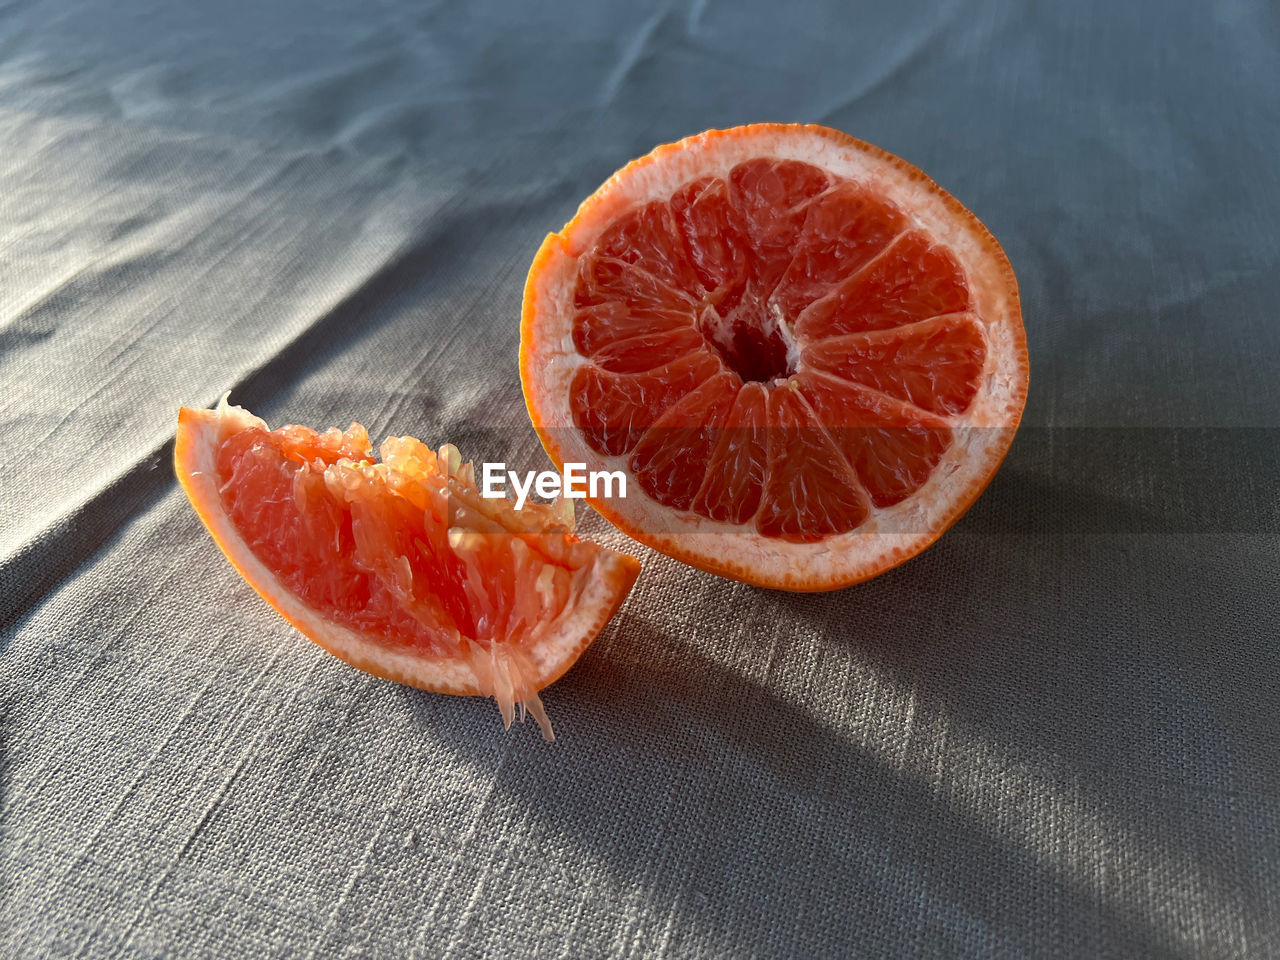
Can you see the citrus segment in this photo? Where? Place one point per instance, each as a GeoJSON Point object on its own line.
{"type": "Point", "coordinates": [609, 280]}
{"type": "Point", "coordinates": [400, 567]}
{"type": "Point", "coordinates": [811, 492]}
{"type": "Point", "coordinates": [913, 279]}
{"type": "Point", "coordinates": [935, 364]}
{"type": "Point", "coordinates": [670, 460]}
{"type": "Point", "coordinates": [844, 228]}
{"type": "Point", "coordinates": [892, 447]}
{"type": "Point", "coordinates": [614, 409]}
{"type": "Point", "coordinates": [601, 326]}
{"type": "Point", "coordinates": [736, 469]}
{"type": "Point", "coordinates": [714, 233]}
{"type": "Point", "coordinates": [771, 194]}
{"type": "Point", "coordinates": [649, 235]}
{"type": "Point", "coordinates": [646, 351]}
{"type": "Point", "coordinates": [807, 354]}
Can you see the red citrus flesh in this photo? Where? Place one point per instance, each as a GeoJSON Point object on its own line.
{"type": "Point", "coordinates": [743, 275]}
{"type": "Point", "coordinates": [400, 567]}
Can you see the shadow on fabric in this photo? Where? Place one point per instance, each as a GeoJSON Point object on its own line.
{"type": "Point", "coordinates": [746, 815]}
{"type": "Point", "coordinates": [1012, 704]}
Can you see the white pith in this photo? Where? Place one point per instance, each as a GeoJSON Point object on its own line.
{"type": "Point", "coordinates": [982, 432]}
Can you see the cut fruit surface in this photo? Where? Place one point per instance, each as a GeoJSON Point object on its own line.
{"type": "Point", "coordinates": [808, 357]}
{"type": "Point", "coordinates": [400, 567]}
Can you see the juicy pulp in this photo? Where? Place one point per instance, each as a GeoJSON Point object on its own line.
{"type": "Point", "coordinates": [778, 348]}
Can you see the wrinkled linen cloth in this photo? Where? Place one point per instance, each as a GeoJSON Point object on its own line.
{"type": "Point", "coordinates": [1053, 734]}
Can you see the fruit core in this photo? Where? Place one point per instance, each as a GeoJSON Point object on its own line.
{"type": "Point", "coordinates": [756, 345]}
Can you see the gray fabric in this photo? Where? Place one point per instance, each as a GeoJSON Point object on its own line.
{"type": "Point", "coordinates": [1053, 734]}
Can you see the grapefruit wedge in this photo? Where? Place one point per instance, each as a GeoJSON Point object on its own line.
{"type": "Point", "coordinates": [400, 567]}
{"type": "Point", "coordinates": [807, 357]}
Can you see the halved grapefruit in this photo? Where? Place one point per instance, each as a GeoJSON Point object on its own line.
{"type": "Point", "coordinates": [806, 355]}
{"type": "Point", "coordinates": [401, 568]}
